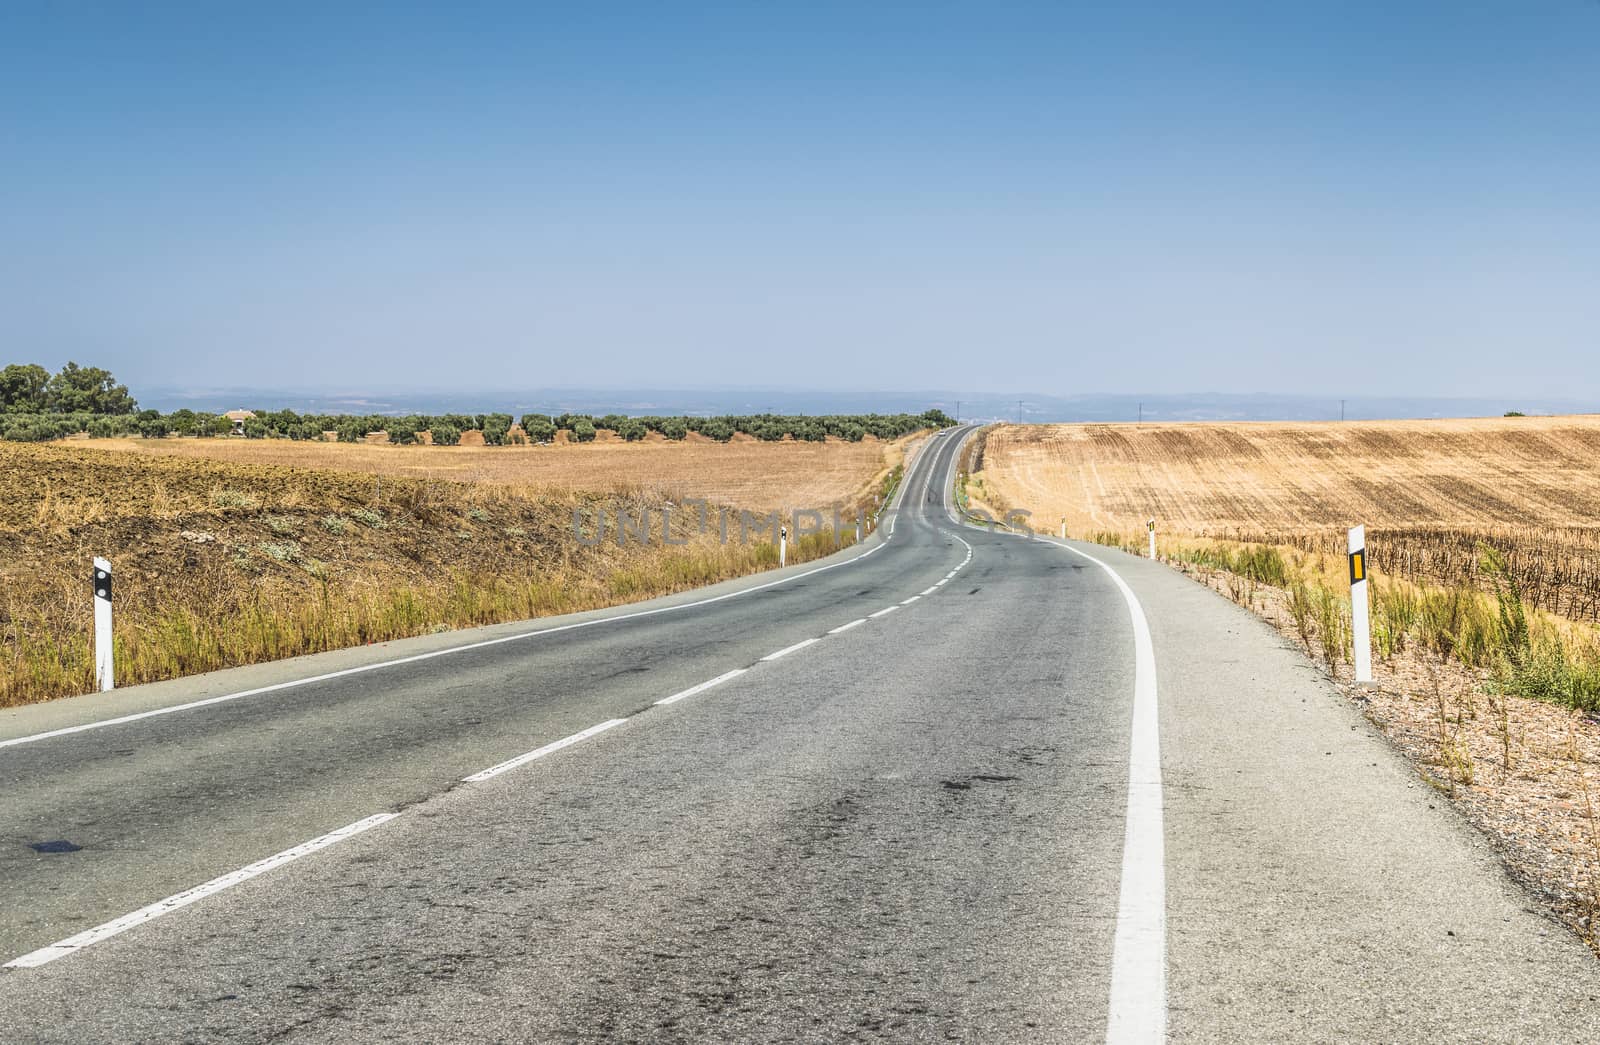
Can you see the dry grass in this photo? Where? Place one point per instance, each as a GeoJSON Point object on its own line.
{"type": "Point", "coordinates": [747, 473]}
{"type": "Point", "coordinates": [222, 563]}
{"type": "Point", "coordinates": [1428, 491]}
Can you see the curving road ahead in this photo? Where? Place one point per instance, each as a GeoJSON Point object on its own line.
{"type": "Point", "coordinates": [951, 784]}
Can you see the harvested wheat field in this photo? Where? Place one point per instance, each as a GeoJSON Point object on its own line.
{"type": "Point", "coordinates": [745, 472]}
{"type": "Point", "coordinates": [1428, 491]}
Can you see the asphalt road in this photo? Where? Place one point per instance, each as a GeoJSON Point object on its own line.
{"type": "Point", "coordinates": [915, 826]}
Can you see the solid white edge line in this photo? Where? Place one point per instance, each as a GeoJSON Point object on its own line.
{"type": "Point", "coordinates": [150, 912]}
{"type": "Point", "coordinates": [1138, 1007]}
{"type": "Point", "coordinates": [702, 687]}
{"type": "Point", "coordinates": [522, 760]}
{"type": "Point", "coordinates": [886, 609]}
{"type": "Point", "coordinates": [846, 627]}
{"type": "Point", "coordinates": [802, 644]}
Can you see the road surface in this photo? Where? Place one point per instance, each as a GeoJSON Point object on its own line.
{"type": "Point", "coordinates": [932, 792]}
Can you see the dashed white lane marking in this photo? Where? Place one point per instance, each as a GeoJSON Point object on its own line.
{"type": "Point", "coordinates": [702, 687]}
{"type": "Point", "coordinates": [802, 644]}
{"type": "Point", "coordinates": [886, 609]}
{"type": "Point", "coordinates": [522, 760]}
{"type": "Point", "coordinates": [847, 627]}
{"type": "Point", "coordinates": [189, 896]}
{"type": "Point", "coordinates": [930, 589]}
{"type": "Point", "coordinates": [907, 602]}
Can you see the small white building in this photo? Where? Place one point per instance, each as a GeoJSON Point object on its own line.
{"type": "Point", "coordinates": [239, 417]}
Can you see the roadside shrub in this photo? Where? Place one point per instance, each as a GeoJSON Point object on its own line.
{"type": "Point", "coordinates": [1553, 671]}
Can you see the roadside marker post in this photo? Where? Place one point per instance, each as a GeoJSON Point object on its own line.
{"type": "Point", "coordinates": [1151, 526]}
{"type": "Point", "coordinates": [858, 529]}
{"type": "Point", "coordinates": [783, 545]}
{"type": "Point", "coordinates": [104, 669]}
{"type": "Point", "coordinates": [1063, 527]}
{"type": "Point", "coordinates": [1360, 621]}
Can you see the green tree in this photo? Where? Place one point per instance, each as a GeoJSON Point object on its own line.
{"type": "Point", "coordinates": [445, 434]}
{"type": "Point", "coordinates": [88, 390]}
{"type": "Point", "coordinates": [22, 388]}
{"type": "Point", "coordinates": [494, 428]}
{"type": "Point", "coordinates": [583, 430]}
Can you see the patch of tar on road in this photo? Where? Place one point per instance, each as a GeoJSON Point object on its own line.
{"type": "Point", "coordinates": [965, 783]}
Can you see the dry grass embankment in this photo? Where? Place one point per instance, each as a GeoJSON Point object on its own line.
{"type": "Point", "coordinates": [221, 563]}
{"type": "Point", "coordinates": [1483, 538]}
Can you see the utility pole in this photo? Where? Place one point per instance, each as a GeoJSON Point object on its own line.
{"type": "Point", "coordinates": [958, 411]}
{"type": "Point", "coordinates": [1141, 413]}
{"type": "Point", "coordinates": [1341, 409]}
{"type": "Point", "coordinates": [1019, 411]}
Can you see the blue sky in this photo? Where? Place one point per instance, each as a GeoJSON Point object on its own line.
{"type": "Point", "coordinates": [1340, 198]}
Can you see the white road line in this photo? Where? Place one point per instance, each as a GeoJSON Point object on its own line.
{"type": "Point", "coordinates": [930, 589]}
{"type": "Point", "coordinates": [702, 687]}
{"type": "Point", "coordinates": [886, 609]}
{"type": "Point", "coordinates": [415, 658]}
{"type": "Point", "coordinates": [802, 644]}
{"type": "Point", "coordinates": [907, 602]}
{"type": "Point", "coordinates": [189, 896]}
{"type": "Point", "coordinates": [522, 760]}
{"type": "Point", "coordinates": [1138, 1010]}
{"type": "Point", "coordinates": [847, 627]}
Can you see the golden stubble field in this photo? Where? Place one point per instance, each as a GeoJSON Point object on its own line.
{"type": "Point", "coordinates": [1205, 478]}
{"type": "Point", "coordinates": [746, 473]}
{"type": "Point", "coordinates": [1430, 492]}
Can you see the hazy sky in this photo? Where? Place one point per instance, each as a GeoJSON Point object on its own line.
{"type": "Point", "coordinates": [1283, 196]}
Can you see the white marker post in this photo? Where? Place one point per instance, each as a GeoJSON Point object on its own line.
{"type": "Point", "coordinates": [1063, 527]}
{"type": "Point", "coordinates": [1360, 622]}
{"type": "Point", "coordinates": [783, 545]}
{"type": "Point", "coordinates": [858, 529]}
{"type": "Point", "coordinates": [1151, 526]}
{"type": "Point", "coordinates": [104, 670]}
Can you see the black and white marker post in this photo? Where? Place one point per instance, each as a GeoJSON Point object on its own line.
{"type": "Point", "coordinates": [783, 545]}
{"type": "Point", "coordinates": [104, 672]}
{"type": "Point", "coordinates": [1360, 624]}
{"type": "Point", "coordinates": [1151, 526]}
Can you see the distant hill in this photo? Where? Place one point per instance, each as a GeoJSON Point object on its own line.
{"type": "Point", "coordinates": [982, 406]}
